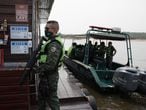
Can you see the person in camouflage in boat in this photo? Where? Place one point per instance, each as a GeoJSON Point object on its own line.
{"type": "Point", "coordinates": [110, 52]}
{"type": "Point", "coordinates": [51, 56]}
{"type": "Point", "coordinates": [101, 50]}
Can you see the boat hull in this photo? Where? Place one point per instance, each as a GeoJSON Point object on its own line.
{"type": "Point", "coordinates": [96, 78]}
{"type": "Point", "coordinates": [142, 82]}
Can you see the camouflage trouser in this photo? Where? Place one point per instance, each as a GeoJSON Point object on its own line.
{"type": "Point", "coordinates": [109, 62]}
{"type": "Point", "coordinates": [48, 91]}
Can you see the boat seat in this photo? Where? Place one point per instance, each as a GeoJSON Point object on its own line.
{"type": "Point", "coordinates": [100, 63]}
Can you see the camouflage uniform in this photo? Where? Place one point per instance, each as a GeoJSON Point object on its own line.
{"type": "Point", "coordinates": [110, 52]}
{"type": "Point", "coordinates": [101, 50]}
{"type": "Point", "coordinates": [49, 77]}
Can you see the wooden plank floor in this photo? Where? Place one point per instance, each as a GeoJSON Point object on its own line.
{"type": "Point", "coordinates": [67, 87]}
{"type": "Point", "coordinates": [70, 95]}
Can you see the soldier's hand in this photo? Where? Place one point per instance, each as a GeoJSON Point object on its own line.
{"type": "Point", "coordinates": [35, 68]}
{"type": "Point", "coordinates": [40, 69]}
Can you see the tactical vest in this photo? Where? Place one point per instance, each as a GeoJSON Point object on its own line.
{"type": "Point", "coordinates": [43, 55]}
{"type": "Point", "coordinates": [69, 51]}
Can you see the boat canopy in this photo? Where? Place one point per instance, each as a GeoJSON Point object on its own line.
{"type": "Point", "coordinates": [105, 33]}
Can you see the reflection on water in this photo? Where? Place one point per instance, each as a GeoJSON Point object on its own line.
{"type": "Point", "coordinates": [139, 53]}
{"type": "Point", "coordinates": [116, 101]}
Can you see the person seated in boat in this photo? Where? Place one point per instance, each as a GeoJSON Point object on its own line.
{"type": "Point", "coordinates": [79, 52]}
{"type": "Point", "coordinates": [71, 51]}
{"type": "Point", "coordinates": [110, 52]}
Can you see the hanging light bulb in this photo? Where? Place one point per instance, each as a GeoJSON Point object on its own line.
{"type": "Point", "coordinates": [5, 24]}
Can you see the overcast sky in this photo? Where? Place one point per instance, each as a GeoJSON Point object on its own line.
{"type": "Point", "coordinates": [75, 16]}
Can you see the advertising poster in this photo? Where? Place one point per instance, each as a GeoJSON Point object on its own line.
{"type": "Point", "coordinates": [21, 13]}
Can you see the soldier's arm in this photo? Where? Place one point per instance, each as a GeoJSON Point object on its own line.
{"type": "Point", "coordinates": [114, 51]}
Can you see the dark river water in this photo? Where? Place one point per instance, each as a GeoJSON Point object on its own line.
{"type": "Point", "coordinates": [138, 52]}
{"type": "Point", "coordinates": [117, 101]}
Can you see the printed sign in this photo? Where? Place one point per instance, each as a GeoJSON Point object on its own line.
{"type": "Point", "coordinates": [1, 41]}
{"type": "Point", "coordinates": [19, 47]}
{"type": "Point", "coordinates": [29, 35]}
{"type": "Point", "coordinates": [19, 32]}
{"type": "Point", "coordinates": [21, 12]}
{"type": "Point", "coordinates": [29, 43]}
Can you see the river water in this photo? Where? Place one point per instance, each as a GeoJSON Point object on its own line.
{"type": "Point", "coordinates": [117, 101]}
{"type": "Point", "coordinates": [138, 52]}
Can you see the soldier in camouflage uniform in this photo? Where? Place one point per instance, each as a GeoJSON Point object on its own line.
{"type": "Point", "coordinates": [110, 52]}
{"type": "Point", "coordinates": [101, 50]}
{"type": "Point", "coordinates": [51, 54]}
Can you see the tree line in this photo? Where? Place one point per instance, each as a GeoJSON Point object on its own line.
{"type": "Point", "coordinates": [133, 35]}
{"type": "Point", "coordinates": [137, 35]}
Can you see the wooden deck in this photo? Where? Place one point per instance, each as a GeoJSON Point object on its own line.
{"type": "Point", "coordinates": [67, 87]}
{"type": "Point", "coordinates": [70, 94]}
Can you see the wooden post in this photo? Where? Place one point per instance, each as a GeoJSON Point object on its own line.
{"type": "Point", "coordinates": [1, 56]}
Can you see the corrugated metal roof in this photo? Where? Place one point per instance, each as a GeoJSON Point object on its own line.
{"type": "Point", "coordinates": [44, 9]}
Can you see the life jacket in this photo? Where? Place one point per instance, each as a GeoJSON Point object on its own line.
{"type": "Point", "coordinates": [43, 55]}
{"type": "Point", "coordinates": [69, 51]}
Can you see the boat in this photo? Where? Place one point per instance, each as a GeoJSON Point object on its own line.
{"type": "Point", "coordinates": [95, 73]}
{"type": "Point", "coordinates": [142, 82]}
{"type": "Point", "coordinates": [126, 79]}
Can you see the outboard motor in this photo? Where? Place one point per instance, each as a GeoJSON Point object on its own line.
{"type": "Point", "coordinates": [126, 79]}
{"type": "Point", "coordinates": [142, 82]}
